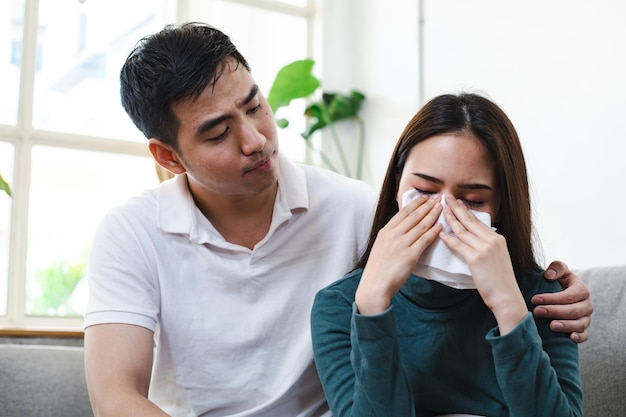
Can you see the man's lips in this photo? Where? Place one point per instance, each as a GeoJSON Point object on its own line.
{"type": "Point", "coordinates": [261, 165]}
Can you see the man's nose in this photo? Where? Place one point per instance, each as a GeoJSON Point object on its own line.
{"type": "Point", "coordinates": [251, 140]}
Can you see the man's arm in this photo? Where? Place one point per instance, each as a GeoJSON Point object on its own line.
{"type": "Point", "coordinates": [571, 308]}
{"type": "Point", "coordinates": [118, 365]}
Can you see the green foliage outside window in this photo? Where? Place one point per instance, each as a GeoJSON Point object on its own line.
{"type": "Point", "coordinates": [56, 284]}
{"type": "Point", "coordinates": [4, 186]}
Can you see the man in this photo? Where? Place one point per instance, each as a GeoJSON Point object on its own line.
{"type": "Point", "coordinates": [201, 289]}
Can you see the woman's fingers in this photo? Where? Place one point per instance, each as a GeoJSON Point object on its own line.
{"type": "Point", "coordinates": [426, 238]}
{"type": "Point", "coordinates": [396, 240]}
{"type": "Point", "coordinates": [408, 210]}
{"type": "Point", "coordinates": [394, 254]}
{"type": "Point", "coordinates": [465, 225]}
{"type": "Point", "coordinates": [421, 224]}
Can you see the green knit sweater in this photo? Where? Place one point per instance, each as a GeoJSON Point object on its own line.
{"type": "Point", "coordinates": [437, 350]}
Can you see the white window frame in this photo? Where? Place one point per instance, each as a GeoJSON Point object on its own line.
{"type": "Point", "coordinates": [23, 137]}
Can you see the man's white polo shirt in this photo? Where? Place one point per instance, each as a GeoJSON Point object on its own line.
{"type": "Point", "coordinates": [231, 324]}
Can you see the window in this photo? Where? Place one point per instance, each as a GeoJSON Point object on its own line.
{"type": "Point", "coordinates": [6, 162]}
{"type": "Point", "coordinates": [68, 149]}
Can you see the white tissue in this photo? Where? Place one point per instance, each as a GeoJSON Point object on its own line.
{"type": "Point", "coordinates": [438, 263]}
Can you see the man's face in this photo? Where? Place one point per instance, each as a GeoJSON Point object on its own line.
{"type": "Point", "coordinates": [227, 138]}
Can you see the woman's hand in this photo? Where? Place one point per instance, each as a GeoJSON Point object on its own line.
{"type": "Point", "coordinates": [488, 258]}
{"type": "Point", "coordinates": [395, 253]}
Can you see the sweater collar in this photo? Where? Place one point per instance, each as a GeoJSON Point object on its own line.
{"type": "Point", "coordinates": [429, 294]}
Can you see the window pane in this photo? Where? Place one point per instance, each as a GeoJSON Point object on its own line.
{"type": "Point", "coordinates": [268, 40]}
{"type": "Point", "coordinates": [83, 47]}
{"type": "Point", "coordinates": [11, 24]}
{"type": "Point", "coordinates": [70, 192]}
{"type": "Point", "coordinates": [6, 170]}
{"type": "Point", "coordinates": [298, 3]}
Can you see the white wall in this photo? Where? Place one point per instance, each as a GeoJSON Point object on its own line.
{"type": "Point", "coordinates": [556, 67]}
{"type": "Point", "coordinates": [371, 45]}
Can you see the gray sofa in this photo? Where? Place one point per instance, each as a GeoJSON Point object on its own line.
{"type": "Point", "coordinates": [45, 381]}
{"type": "Point", "coordinates": [603, 356]}
{"type": "Point", "coordinates": [42, 381]}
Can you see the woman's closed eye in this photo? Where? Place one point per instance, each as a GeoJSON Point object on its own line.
{"type": "Point", "coordinates": [472, 203]}
{"type": "Point", "coordinates": [469, 202]}
{"type": "Point", "coordinates": [424, 192]}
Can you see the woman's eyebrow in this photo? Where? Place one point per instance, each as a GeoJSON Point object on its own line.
{"type": "Point", "coordinates": [464, 186]}
{"type": "Point", "coordinates": [428, 178]}
{"type": "Point", "coordinates": [475, 186]}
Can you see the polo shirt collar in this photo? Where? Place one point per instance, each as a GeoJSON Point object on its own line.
{"type": "Point", "coordinates": [292, 185]}
{"type": "Point", "coordinates": [177, 212]}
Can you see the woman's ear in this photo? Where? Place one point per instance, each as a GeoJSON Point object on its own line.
{"type": "Point", "coordinates": [165, 156]}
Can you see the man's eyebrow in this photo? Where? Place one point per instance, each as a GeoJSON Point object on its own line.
{"type": "Point", "coordinates": [254, 90]}
{"type": "Point", "coordinates": [466, 186]}
{"type": "Point", "coordinates": [209, 124]}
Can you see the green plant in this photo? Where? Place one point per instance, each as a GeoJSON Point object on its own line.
{"type": "Point", "coordinates": [57, 282]}
{"type": "Point", "coordinates": [4, 186]}
{"type": "Point", "coordinates": [294, 81]}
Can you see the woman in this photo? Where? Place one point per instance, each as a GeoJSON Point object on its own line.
{"type": "Point", "coordinates": [390, 343]}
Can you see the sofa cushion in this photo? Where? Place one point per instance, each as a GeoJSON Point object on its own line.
{"type": "Point", "coordinates": [49, 381]}
{"type": "Point", "coordinates": [603, 356]}
{"type": "Point", "coordinates": [43, 381]}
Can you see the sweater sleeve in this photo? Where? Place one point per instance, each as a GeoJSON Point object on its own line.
{"type": "Point", "coordinates": [357, 358]}
{"type": "Point", "coordinates": [537, 370]}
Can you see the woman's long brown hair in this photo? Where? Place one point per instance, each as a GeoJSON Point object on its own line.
{"type": "Point", "coordinates": [478, 116]}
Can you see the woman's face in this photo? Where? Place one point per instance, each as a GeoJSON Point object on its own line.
{"type": "Point", "coordinates": [455, 164]}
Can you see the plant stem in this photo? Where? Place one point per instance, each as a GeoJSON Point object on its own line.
{"type": "Point", "coordinates": [342, 155]}
{"type": "Point", "coordinates": [359, 169]}
{"type": "Point", "coordinates": [325, 159]}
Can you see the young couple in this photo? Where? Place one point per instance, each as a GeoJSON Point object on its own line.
{"type": "Point", "coordinates": [201, 289]}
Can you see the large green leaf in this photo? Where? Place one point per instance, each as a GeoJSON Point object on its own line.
{"type": "Point", "coordinates": [4, 186]}
{"type": "Point", "coordinates": [332, 108]}
{"type": "Point", "coordinates": [318, 112]}
{"type": "Point", "coordinates": [293, 81]}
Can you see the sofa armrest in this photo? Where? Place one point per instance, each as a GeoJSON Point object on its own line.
{"type": "Point", "coordinates": [43, 381]}
{"type": "Point", "coordinates": [603, 356]}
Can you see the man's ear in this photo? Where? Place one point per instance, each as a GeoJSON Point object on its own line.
{"type": "Point", "coordinates": [165, 156]}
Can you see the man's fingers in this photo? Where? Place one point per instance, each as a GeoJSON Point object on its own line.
{"type": "Point", "coordinates": [579, 337]}
{"type": "Point", "coordinates": [567, 312]}
{"type": "Point", "coordinates": [557, 270]}
{"type": "Point", "coordinates": [576, 328]}
{"type": "Point", "coordinates": [575, 293]}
